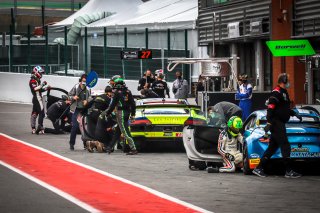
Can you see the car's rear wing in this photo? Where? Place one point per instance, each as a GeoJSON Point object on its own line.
{"type": "Point", "coordinates": [158, 105]}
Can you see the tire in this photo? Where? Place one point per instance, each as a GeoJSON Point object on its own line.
{"type": "Point", "coordinates": [246, 167]}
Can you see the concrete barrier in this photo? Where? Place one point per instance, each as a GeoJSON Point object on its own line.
{"type": "Point", "coordinates": [14, 87]}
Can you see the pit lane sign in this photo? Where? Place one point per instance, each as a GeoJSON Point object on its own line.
{"type": "Point", "coordinates": [140, 54]}
{"type": "Point", "coordinates": [290, 48]}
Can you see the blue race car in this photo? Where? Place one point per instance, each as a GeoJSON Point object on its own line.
{"type": "Point", "coordinates": [303, 136]}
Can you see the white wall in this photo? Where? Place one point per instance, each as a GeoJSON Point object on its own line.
{"type": "Point", "coordinates": [14, 87]}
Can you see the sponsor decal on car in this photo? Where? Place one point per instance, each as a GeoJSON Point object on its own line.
{"type": "Point", "coordinates": [157, 134]}
{"type": "Point", "coordinates": [179, 134]}
{"type": "Point", "coordinates": [299, 149]}
{"type": "Point", "coordinates": [254, 155]}
{"type": "Point", "coordinates": [253, 163]}
{"type": "Point", "coordinates": [167, 120]}
{"type": "Point", "coordinates": [305, 154]}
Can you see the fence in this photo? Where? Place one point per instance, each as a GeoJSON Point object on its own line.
{"type": "Point", "coordinates": [19, 53]}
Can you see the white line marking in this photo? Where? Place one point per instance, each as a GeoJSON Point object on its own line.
{"type": "Point", "coordinates": [51, 188]}
{"type": "Point", "coordinates": [15, 112]}
{"type": "Point", "coordinates": [152, 191]}
{"type": "Point", "coordinates": [15, 102]}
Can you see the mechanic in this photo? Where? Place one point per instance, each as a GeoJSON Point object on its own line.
{"type": "Point", "coordinates": [97, 106]}
{"type": "Point", "coordinates": [160, 87]}
{"type": "Point", "coordinates": [227, 109]}
{"type": "Point", "coordinates": [100, 104]}
{"type": "Point", "coordinates": [79, 95]}
{"type": "Point", "coordinates": [146, 81]}
{"type": "Point", "coordinates": [59, 114]}
{"type": "Point", "coordinates": [37, 88]}
{"type": "Point", "coordinates": [125, 106]}
{"type": "Point", "coordinates": [228, 145]}
{"type": "Point", "coordinates": [104, 132]}
{"type": "Point", "coordinates": [180, 87]}
{"type": "Point", "coordinates": [244, 94]}
{"type": "Point", "coordinates": [278, 113]}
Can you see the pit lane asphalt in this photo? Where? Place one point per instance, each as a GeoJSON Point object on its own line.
{"type": "Point", "coordinates": [164, 172]}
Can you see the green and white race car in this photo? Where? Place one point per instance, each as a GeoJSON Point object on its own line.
{"type": "Point", "coordinates": [162, 120]}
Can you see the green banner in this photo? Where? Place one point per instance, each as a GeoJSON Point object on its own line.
{"type": "Point", "coordinates": [290, 48]}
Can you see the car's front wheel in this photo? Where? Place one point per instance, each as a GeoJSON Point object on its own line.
{"type": "Point", "coordinates": [246, 166]}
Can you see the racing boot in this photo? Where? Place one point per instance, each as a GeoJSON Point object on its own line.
{"type": "Point", "coordinates": [292, 174]}
{"type": "Point", "coordinates": [132, 152]}
{"type": "Point", "coordinates": [259, 172]}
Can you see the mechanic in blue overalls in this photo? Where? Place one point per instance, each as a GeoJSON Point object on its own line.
{"type": "Point", "coordinates": [244, 95]}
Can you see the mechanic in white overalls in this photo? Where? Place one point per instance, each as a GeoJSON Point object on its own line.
{"type": "Point", "coordinates": [228, 145]}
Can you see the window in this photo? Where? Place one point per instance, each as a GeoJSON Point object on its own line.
{"type": "Point", "coordinates": [209, 3]}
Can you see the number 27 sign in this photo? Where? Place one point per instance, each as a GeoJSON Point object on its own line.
{"type": "Point", "coordinates": [140, 54]}
{"type": "Point", "coordinates": [145, 54]}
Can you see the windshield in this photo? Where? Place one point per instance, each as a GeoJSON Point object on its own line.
{"type": "Point", "coordinates": [165, 111]}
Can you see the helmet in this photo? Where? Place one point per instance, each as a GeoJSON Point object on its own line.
{"type": "Point", "coordinates": [37, 72]}
{"type": "Point", "coordinates": [38, 69]}
{"type": "Point", "coordinates": [119, 81]}
{"type": "Point", "coordinates": [115, 77]}
{"type": "Point", "coordinates": [234, 125]}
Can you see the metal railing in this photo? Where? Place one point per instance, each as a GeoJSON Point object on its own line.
{"type": "Point", "coordinates": [52, 68]}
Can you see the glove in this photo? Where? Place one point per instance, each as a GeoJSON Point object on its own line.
{"type": "Point", "coordinates": [229, 156]}
{"type": "Point", "coordinates": [267, 128]}
{"type": "Point", "coordinates": [43, 84]}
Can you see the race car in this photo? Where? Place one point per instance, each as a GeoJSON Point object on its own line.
{"type": "Point", "coordinates": [303, 136]}
{"type": "Point", "coordinates": [162, 120]}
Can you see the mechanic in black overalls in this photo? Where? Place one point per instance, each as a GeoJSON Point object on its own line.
{"type": "Point", "coordinates": [125, 106]}
{"type": "Point", "coordinates": [97, 106]}
{"type": "Point", "coordinates": [59, 114]}
{"type": "Point", "coordinates": [96, 117]}
{"type": "Point", "coordinates": [278, 114]}
{"type": "Point", "coordinates": [160, 87]}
